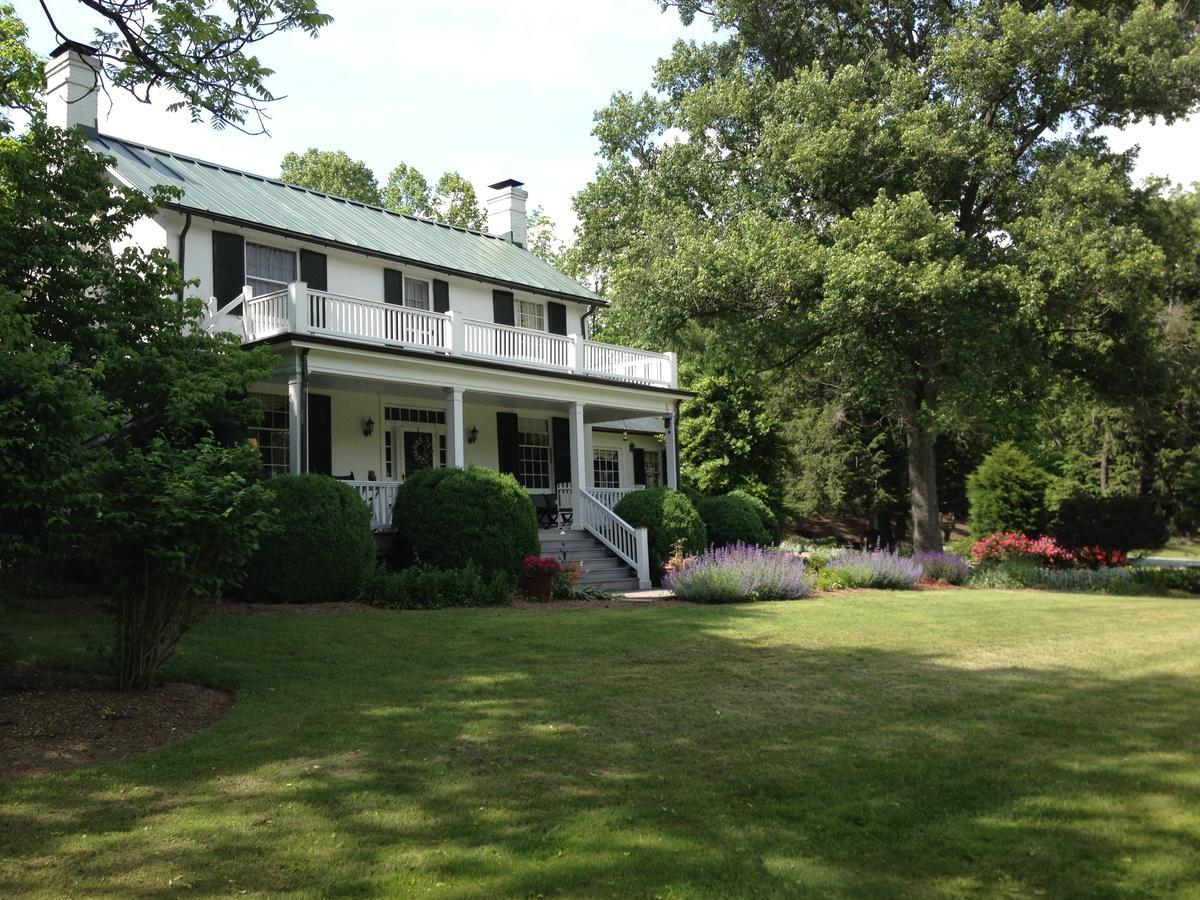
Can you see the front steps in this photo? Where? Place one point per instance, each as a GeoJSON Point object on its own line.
{"type": "Point", "coordinates": [601, 567]}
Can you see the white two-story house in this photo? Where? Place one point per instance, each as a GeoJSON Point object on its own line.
{"type": "Point", "coordinates": [403, 343]}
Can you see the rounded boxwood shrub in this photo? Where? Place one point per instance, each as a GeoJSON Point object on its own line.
{"type": "Point", "coordinates": [769, 520]}
{"type": "Point", "coordinates": [323, 548]}
{"type": "Point", "coordinates": [449, 517]}
{"type": "Point", "coordinates": [668, 517]}
{"type": "Point", "coordinates": [731, 520]}
{"type": "Point", "coordinates": [1122, 523]}
{"type": "Point", "coordinates": [1008, 493]}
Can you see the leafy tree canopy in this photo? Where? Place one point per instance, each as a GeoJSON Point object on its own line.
{"type": "Point", "coordinates": [198, 50]}
{"type": "Point", "coordinates": [334, 172]}
{"type": "Point", "coordinates": [911, 202]}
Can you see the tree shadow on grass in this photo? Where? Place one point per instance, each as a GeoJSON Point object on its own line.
{"type": "Point", "coordinates": [510, 755]}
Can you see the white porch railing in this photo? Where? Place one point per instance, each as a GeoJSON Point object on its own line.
{"type": "Point", "coordinates": [381, 497]}
{"type": "Point", "coordinates": [265, 315]}
{"type": "Point", "coordinates": [509, 343]}
{"type": "Point", "coordinates": [610, 497]}
{"type": "Point", "coordinates": [629, 543]}
{"type": "Point", "coordinates": [298, 310]}
{"type": "Point", "coordinates": [370, 320]}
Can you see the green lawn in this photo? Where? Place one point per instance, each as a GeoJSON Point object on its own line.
{"type": "Point", "coordinates": [926, 743]}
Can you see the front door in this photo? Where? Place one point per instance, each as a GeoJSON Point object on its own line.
{"type": "Point", "coordinates": [418, 451]}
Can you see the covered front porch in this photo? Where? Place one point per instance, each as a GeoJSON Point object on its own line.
{"type": "Point", "coordinates": [373, 422]}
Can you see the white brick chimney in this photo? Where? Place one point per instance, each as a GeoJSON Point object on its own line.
{"type": "Point", "coordinates": [72, 86]}
{"type": "Point", "coordinates": [506, 211]}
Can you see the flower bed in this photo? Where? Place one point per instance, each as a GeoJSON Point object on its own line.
{"type": "Point", "coordinates": [873, 569]}
{"type": "Point", "coordinates": [948, 567]}
{"type": "Point", "coordinates": [737, 574]}
{"type": "Point", "coordinates": [1012, 545]}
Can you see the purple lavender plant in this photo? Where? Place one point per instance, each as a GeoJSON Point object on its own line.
{"type": "Point", "coordinates": [739, 573]}
{"type": "Point", "coordinates": [877, 569]}
{"type": "Point", "coordinates": [948, 567]}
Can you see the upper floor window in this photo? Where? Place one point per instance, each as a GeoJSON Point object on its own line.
{"type": "Point", "coordinates": [269, 269]}
{"type": "Point", "coordinates": [531, 314]}
{"type": "Point", "coordinates": [416, 293]}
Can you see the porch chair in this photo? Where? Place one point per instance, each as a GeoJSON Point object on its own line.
{"type": "Point", "coordinates": [546, 507]}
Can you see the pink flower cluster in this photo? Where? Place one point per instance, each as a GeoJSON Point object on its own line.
{"type": "Point", "coordinates": [1099, 558]}
{"type": "Point", "coordinates": [1004, 545]}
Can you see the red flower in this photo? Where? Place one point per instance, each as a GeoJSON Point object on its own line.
{"type": "Point", "coordinates": [542, 565]}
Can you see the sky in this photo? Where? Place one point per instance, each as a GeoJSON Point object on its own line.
{"type": "Point", "coordinates": [493, 90]}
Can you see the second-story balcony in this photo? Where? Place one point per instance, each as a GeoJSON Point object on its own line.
{"type": "Point", "coordinates": [300, 311]}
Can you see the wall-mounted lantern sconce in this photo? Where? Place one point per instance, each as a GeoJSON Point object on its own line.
{"type": "Point", "coordinates": [624, 435]}
{"type": "Point", "coordinates": [667, 422]}
{"type": "Point", "coordinates": [472, 435]}
{"type": "Point", "coordinates": [368, 427]}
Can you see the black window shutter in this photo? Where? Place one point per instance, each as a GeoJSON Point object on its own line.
{"type": "Point", "coordinates": [560, 434]}
{"type": "Point", "coordinates": [639, 466]}
{"type": "Point", "coordinates": [320, 435]}
{"type": "Point", "coordinates": [314, 270]}
{"type": "Point", "coordinates": [507, 444]}
{"type": "Point", "coordinates": [441, 296]}
{"type": "Point", "coordinates": [229, 265]}
{"type": "Point", "coordinates": [502, 308]}
{"type": "Point", "coordinates": [556, 318]}
{"type": "Point", "coordinates": [393, 287]}
{"type": "Point", "coordinates": [663, 470]}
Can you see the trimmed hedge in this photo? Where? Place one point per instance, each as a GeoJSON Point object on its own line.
{"type": "Point", "coordinates": [323, 549]}
{"type": "Point", "coordinates": [427, 587]}
{"type": "Point", "coordinates": [668, 516]}
{"type": "Point", "coordinates": [447, 518]}
{"type": "Point", "coordinates": [1008, 493]}
{"type": "Point", "coordinates": [769, 520]}
{"type": "Point", "coordinates": [731, 520]}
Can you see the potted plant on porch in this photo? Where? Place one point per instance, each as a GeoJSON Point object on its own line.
{"type": "Point", "coordinates": [538, 575]}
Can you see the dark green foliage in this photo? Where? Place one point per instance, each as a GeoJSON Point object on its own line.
{"type": "Point", "coordinates": [449, 517]}
{"type": "Point", "coordinates": [323, 549]}
{"type": "Point", "coordinates": [669, 517]}
{"type": "Point", "coordinates": [769, 521]}
{"type": "Point", "coordinates": [1114, 523]}
{"type": "Point", "coordinates": [1163, 581]}
{"type": "Point", "coordinates": [428, 587]}
{"type": "Point", "coordinates": [1008, 493]}
{"type": "Point", "coordinates": [691, 493]}
{"type": "Point", "coordinates": [731, 520]}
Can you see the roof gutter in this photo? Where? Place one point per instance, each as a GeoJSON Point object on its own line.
{"type": "Point", "coordinates": [375, 254]}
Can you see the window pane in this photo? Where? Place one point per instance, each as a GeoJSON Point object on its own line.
{"type": "Point", "coordinates": [606, 468]}
{"type": "Point", "coordinates": [653, 476]}
{"type": "Point", "coordinates": [416, 293]}
{"type": "Point", "coordinates": [533, 438]}
{"type": "Point", "coordinates": [271, 434]}
{"type": "Point", "coordinates": [531, 315]}
{"type": "Point", "coordinates": [269, 268]}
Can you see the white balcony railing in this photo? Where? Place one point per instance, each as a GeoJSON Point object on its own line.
{"type": "Point", "coordinates": [381, 497]}
{"type": "Point", "coordinates": [300, 311]}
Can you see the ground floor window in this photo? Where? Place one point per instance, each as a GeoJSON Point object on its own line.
{"type": "Point", "coordinates": [271, 435]}
{"type": "Point", "coordinates": [653, 469]}
{"type": "Point", "coordinates": [533, 442]}
{"type": "Point", "coordinates": [606, 468]}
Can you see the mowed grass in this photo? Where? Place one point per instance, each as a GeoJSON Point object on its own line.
{"type": "Point", "coordinates": [878, 744]}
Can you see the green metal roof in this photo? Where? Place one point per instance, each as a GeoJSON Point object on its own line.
{"type": "Point", "coordinates": [222, 192]}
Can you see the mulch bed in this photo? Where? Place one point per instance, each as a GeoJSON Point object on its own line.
{"type": "Point", "coordinates": [54, 721]}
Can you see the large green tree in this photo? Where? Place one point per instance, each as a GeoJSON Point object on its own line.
{"type": "Point", "coordinates": [912, 202]}
{"type": "Point", "coordinates": [334, 172]}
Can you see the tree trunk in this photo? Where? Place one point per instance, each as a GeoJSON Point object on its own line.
{"type": "Point", "coordinates": [922, 482]}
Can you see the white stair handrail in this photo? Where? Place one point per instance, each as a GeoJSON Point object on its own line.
{"type": "Point", "coordinates": [629, 543]}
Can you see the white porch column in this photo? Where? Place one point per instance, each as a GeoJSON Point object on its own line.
{"type": "Point", "coordinates": [456, 440]}
{"type": "Point", "coordinates": [295, 418]}
{"type": "Point", "coordinates": [578, 457]}
{"type": "Point", "coordinates": [672, 463]}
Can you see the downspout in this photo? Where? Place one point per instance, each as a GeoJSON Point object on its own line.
{"type": "Point", "coordinates": [187, 224]}
{"type": "Point", "coordinates": [304, 411]}
{"type": "Point", "coordinates": [675, 438]}
{"type": "Point", "coordinates": [583, 322]}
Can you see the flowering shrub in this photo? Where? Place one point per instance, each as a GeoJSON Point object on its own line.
{"type": "Point", "coordinates": [739, 573]}
{"type": "Point", "coordinates": [1006, 545]}
{"type": "Point", "coordinates": [1099, 557]}
{"type": "Point", "coordinates": [542, 565]}
{"type": "Point", "coordinates": [876, 569]}
{"type": "Point", "coordinates": [948, 567]}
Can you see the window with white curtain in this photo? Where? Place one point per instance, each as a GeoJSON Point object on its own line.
{"type": "Point", "coordinates": [416, 293]}
{"type": "Point", "coordinates": [653, 469]}
{"type": "Point", "coordinates": [269, 269]}
{"type": "Point", "coordinates": [531, 314]}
